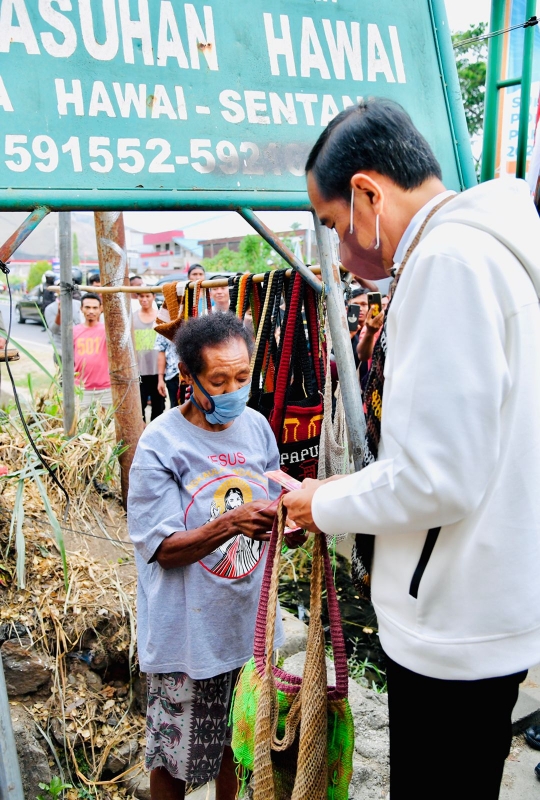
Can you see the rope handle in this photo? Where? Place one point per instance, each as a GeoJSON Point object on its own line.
{"type": "Point", "coordinates": [171, 300]}
{"type": "Point", "coordinates": [313, 328]}
{"type": "Point", "coordinates": [283, 371]}
{"type": "Point", "coordinates": [265, 624]}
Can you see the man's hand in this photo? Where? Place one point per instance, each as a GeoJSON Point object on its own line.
{"type": "Point", "coordinates": [2, 343]}
{"type": "Point", "coordinates": [253, 519]}
{"type": "Point", "coordinates": [374, 321]}
{"type": "Point", "coordinates": [161, 386]}
{"type": "Point", "coordinates": [298, 504]}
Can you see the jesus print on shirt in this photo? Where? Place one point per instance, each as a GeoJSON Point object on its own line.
{"type": "Point", "coordinates": [240, 555]}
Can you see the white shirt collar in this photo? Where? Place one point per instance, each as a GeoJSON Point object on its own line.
{"type": "Point", "coordinates": [416, 223]}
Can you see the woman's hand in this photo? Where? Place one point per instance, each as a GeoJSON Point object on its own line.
{"type": "Point", "coordinates": [253, 519]}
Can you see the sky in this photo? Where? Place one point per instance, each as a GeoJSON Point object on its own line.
{"type": "Point", "coordinates": [212, 224]}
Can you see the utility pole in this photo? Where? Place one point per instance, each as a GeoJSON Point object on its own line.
{"type": "Point", "coordinates": [111, 246]}
{"type": "Point", "coordinates": [341, 342]}
{"type": "Point", "coordinates": [66, 323]}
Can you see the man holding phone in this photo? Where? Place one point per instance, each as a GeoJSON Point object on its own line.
{"type": "Point", "coordinates": [447, 507]}
{"type": "Point", "coordinates": [369, 335]}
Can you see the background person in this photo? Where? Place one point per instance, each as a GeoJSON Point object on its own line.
{"type": "Point", "coordinates": [196, 272]}
{"type": "Point", "coordinates": [90, 349]}
{"type": "Point", "coordinates": [197, 514]}
{"type": "Point", "coordinates": [369, 335]}
{"type": "Point", "coordinates": [219, 296]}
{"type": "Point", "coordinates": [53, 318]}
{"type": "Point", "coordinates": [167, 367]}
{"type": "Point", "coordinates": [450, 486]}
{"type": "Point", "coordinates": [147, 357]}
{"type": "Point", "coordinates": [136, 280]}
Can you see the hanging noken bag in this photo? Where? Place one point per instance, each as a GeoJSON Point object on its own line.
{"type": "Point", "coordinates": [296, 404]}
{"type": "Point", "coordinates": [295, 736]}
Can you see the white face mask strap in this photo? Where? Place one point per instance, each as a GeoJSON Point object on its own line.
{"type": "Point", "coordinates": [351, 221]}
{"type": "Point", "coordinates": [378, 232]}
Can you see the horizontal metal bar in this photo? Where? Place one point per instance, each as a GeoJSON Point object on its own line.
{"type": "Point", "coordinates": [507, 82]}
{"type": "Point", "coordinates": [206, 284]}
{"type": "Point", "coordinates": [150, 200]}
{"type": "Point", "coordinates": [23, 232]}
{"type": "Point", "coordinates": [280, 248]}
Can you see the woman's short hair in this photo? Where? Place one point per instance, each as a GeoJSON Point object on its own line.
{"type": "Point", "coordinates": [208, 331]}
{"type": "Point", "coordinates": [377, 134]}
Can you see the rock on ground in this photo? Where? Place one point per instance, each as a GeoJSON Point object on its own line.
{"type": "Point", "coordinates": [371, 771]}
{"type": "Point", "coordinates": [33, 761]}
{"type": "Point", "coordinates": [25, 671]}
{"type": "Point", "coordinates": [139, 786]}
{"type": "Point", "coordinates": [295, 634]}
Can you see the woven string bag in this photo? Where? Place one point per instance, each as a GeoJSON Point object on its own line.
{"type": "Point", "coordinates": [333, 448]}
{"type": "Point", "coordinates": [293, 738]}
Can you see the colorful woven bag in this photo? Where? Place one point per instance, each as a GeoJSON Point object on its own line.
{"type": "Point", "coordinates": [296, 404]}
{"type": "Point", "coordinates": [293, 738]}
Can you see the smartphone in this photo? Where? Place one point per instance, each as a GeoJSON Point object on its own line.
{"type": "Point", "coordinates": [374, 300]}
{"type": "Point", "coordinates": [353, 312]}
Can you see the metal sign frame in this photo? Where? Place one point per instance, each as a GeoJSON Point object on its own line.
{"type": "Point", "coordinates": [211, 186]}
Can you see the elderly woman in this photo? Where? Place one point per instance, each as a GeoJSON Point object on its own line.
{"type": "Point", "coordinates": [198, 516]}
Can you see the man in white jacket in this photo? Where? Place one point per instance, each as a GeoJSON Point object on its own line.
{"type": "Point", "coordinates": [452, 496]}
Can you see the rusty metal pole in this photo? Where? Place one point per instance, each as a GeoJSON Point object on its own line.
{"type": "Point", "coordinates": [111, 245]}
{"type": "Point", "coordinates": [66, 323]}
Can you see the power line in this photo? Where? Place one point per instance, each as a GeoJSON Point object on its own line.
{"type": "Point", "coordinates": [530, 23]}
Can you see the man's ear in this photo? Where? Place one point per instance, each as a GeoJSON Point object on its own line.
{"type": "Point", "coordinates": [365, 185]}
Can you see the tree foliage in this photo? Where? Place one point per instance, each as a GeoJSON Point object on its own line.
{"type": "Point", "coordinates": [36, 273]}
{"type": "Point", "coordinates": [254, 255]}
{"type": "Point", "coordinates": [471, 61]}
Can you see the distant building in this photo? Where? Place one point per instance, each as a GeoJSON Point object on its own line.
{"type": "Point", "coordinates": [301, 240]}
{"type": "Point", "coordinates": [162, 253]}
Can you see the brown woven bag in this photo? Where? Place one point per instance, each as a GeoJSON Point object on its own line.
{"type": "Point", "coordinates": [307, 773]}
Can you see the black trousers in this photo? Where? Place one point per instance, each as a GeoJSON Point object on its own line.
{"type": "Point", "coordinates": [172, 389]}
{"type": "Point", "coordinates": [149, 390]}
{"type": "Point", "coordinates": [448, 739]}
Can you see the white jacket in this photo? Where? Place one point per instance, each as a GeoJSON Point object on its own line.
{"type": "Point", "coordinates": [460, 446]}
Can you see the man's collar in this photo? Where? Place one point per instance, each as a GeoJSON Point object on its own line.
{"type": "Point", "coordinates": [415, 224]}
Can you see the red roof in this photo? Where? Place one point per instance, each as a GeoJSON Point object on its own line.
{"type": "Point", "coordinates": [165, 236]}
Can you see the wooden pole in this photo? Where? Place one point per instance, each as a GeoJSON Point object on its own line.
{"type": "Point", "coordinates": [66, 323]}
{"type": "Point", "coordinates": [111, 246]}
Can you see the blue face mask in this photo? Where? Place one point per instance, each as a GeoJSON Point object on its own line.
{"type": "Point", "coordinates": [224, 407]}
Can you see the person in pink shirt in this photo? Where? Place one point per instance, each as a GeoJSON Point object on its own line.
{"type": "Point", "coordinates": [91, 361]}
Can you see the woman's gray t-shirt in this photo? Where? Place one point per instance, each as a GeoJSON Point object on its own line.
{"type": "Point", "coordinates": [198, 619]}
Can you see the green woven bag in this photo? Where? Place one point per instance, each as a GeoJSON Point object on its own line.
{"type": "Point", "coordinates": [294, 737]}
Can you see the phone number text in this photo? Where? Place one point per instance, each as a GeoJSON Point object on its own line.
{"type": "Point", "coordinates": [102, 154]}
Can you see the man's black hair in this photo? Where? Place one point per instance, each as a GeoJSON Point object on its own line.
{"type": "Point", "coordinates": [378, 135]}
{"type": "Point", "coordinates": [90, 296]}
{"type": "Point", "coordinates": [94, 279]}
{"type": "Point", "coordinates": [208, 331]}
{"type": "Point", "coordinates": [133, 278]}
{"type": "Point", "coordinates": [359, 291]}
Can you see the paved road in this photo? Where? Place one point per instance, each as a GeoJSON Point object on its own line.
{"type": "Point", "coordinates": [31, 335]}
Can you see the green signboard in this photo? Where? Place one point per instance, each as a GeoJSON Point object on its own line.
{"type": "Point", "coordinates": [213, 103]}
